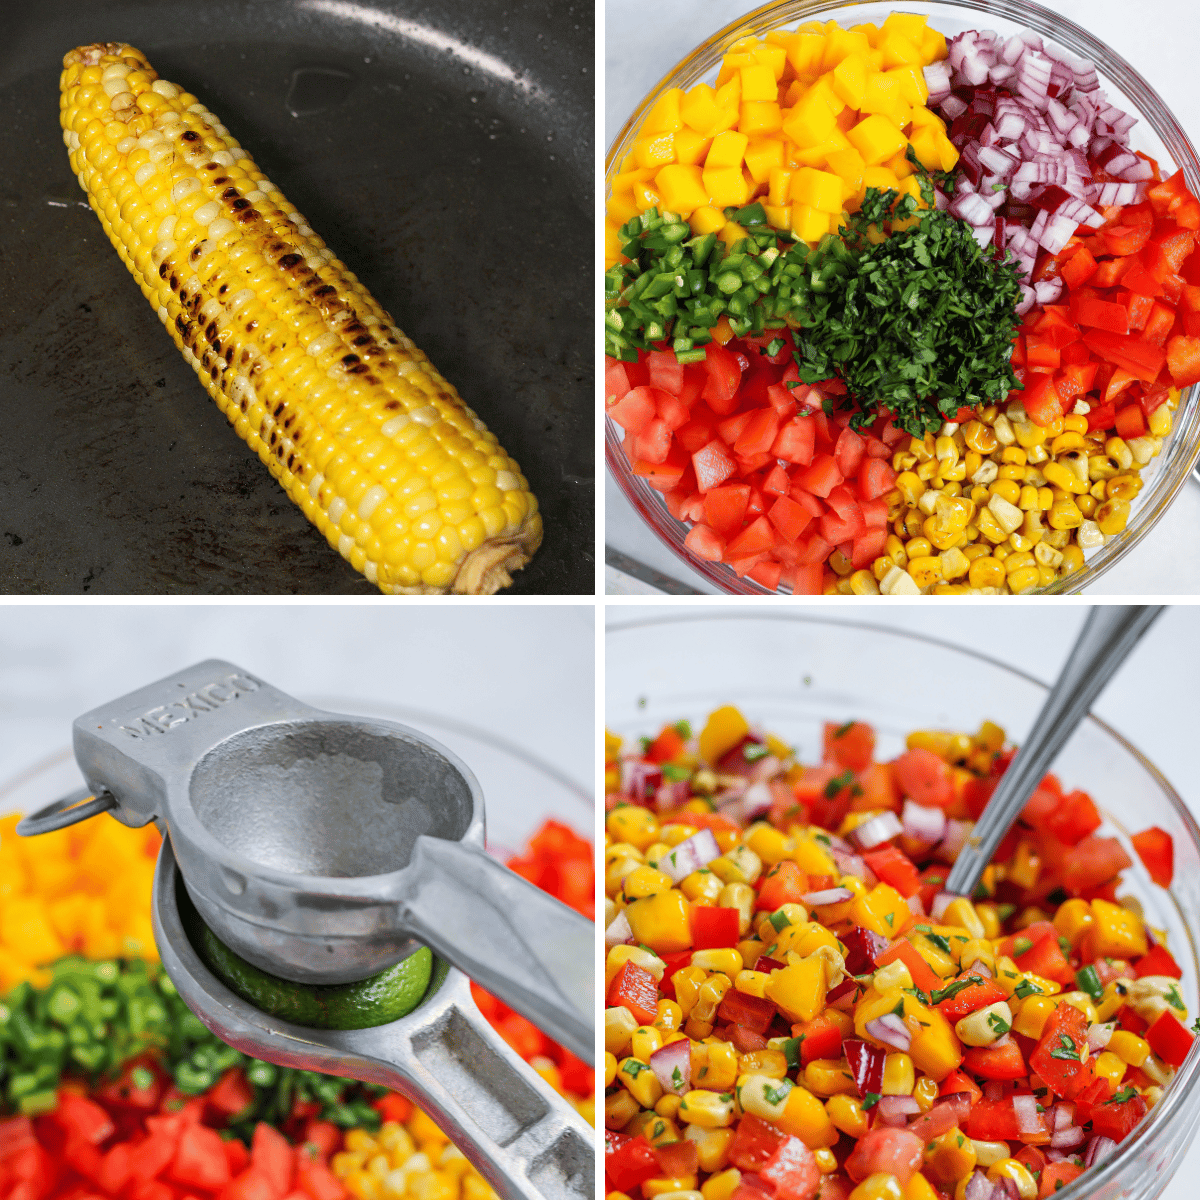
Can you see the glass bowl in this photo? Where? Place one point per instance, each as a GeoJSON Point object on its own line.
{"type": "Point", "coordinates": [520, 791]}
{"type": "Point", "coordinates": [790, 674]}
{"type": "Point", "coordinates": [1157, 133]}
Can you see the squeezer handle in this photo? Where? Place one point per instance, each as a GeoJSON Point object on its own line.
{"type": "Point", "coordinates": [522, 1137]}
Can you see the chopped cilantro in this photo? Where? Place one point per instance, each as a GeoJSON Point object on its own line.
{"type": "Point", "coordinates": [1004, 911]}
{"type": "Point", "coordinates": [646, 743]}
{"type": "Point", "coordinates": [1026, 988]}
{"type": "Point", "coordinates": [675, 774]}
{"type": "Point", "coordinates": [870, 1100]}
{"type": "Point", "coordinates": [940, 942]}
{"type": "Point", "coordinates": [1021, 945]}
{"type": "Point", "coordinates": [998, 1023]}
{"type": "Point", "coordinates": [1065, 1049]}
{"type": "Point", "coordinates": [777, 1095]}
{"type": "Point", "coordinates": [753, 751]}
{"type": "Point", "coordinates": [677, 1077]}
{"type": "Point", "coordinates": [950, 990]}
{"type": "Point", "coordinates": [823, 837]}
{"type": "Point", "coordinates": [1088, 981]}
{"type": "Point", "coordinates": [658, 1130]}
{"type": "Point", "coordinates": [684, 729]}
{"type": "Point", "coordinates": [890, 918]}
{"type": "Point", "coordinates": [835, 785]}
{"type": "Point", "coordinates": [1172, 997]}
{"type": "Point", "coordinates": [633, 1068]}
{"type": "Point", "coordinates": [898, 1011]}
{"type": "Point", "coordinates": [1126, 1093]}
{"type": "Point", "coordinates": [842, 730]}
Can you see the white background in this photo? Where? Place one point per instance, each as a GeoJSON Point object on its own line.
{"type": "Point", "coordinates": [1151, 700]}
{"type": "Point", "coordinates": [525, 673]}
{"type": "Point", "coordinates": [1158, 37]}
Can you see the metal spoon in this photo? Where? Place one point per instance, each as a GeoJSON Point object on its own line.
{"type": "Point", "coordinates": [1108, 635]}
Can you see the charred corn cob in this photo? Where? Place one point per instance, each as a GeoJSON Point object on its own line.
{"type": "Point", "coordinates": [355, 423]}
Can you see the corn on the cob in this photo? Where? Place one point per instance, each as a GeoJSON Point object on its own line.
{"type": "Point", "coordinates": [376, 448]}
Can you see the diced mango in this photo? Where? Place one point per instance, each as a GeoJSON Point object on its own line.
{"type": "Point", "coordinates": [876, 139]}
{"type": "Point", "coordinates": [809, 223]}
{"type": "Point", "coordinates": [849, 80]}
{"type": "Point", "coordinates": [728, 149]}
{"type": "Point", "coordinates": [772, 54]}
{"type": "Point", "coordinates": [911, 82]}
{"type": "Point", "coordinates": [706, 220]}
{"type": "Point", "coordinates": [763, 157]}
{"type": "Point", "coordinates": [778, 182]}
{"type": "Point", "coordinates": [1116, 931]}
{"type": "Point", "coordinates": [810, 121]}
{"type": "Point", "coordinates": [840, 44]}
{"type": "Point", "coordinates": [760, 117]}
{"type": "Point", "coordinates": [681, 188]}
{"type": "Point", "coordinates": [778, 215]}
{"type": "Point", "coordinates": [882, 910]}
{"type": "Point", "coordinates": [804, 1116]}
{"type": "Point", "coordinates": [621, 207]}
{"type": "Point", "coordinates": [848, 165]}
{"type": "Point", "coordinates": [805, 52]}
{"type": "Point", "coordinates": [664, 116]}
{"type": "Point", "coordinates": [798, 989]}
{"type": "Point", "coordinates": [731, 67]}
{"type": "Point", "coordinates": [758, 82]}
{"type": "Point", "coordinates": [691, 147]}
{"type": "Point", "coordinates": [897, 50]}
{"type": "Point", "coordinates": [654, 151]}
{"type": "Point", "coordinates": [933, 45]}
{"type": "Point", "coordinates": [661, 922]}
{"type": "Point", "coordinates": [707, 115]}
{"type": "Point", "coordinates": [820, 189]}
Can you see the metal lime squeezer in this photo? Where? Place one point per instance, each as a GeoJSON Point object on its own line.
{"type": "Point", "coordinates": [323, 849]}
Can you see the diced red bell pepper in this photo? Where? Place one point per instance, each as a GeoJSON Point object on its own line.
{"type": "Point", "coordinates": [978, 993]}
{"type": "Point", "coordinates": [1183, 359]}
{"type": "Point", "coordinates": [628, 1161]}
{"type": "Point", "coordinates": [960, 1083]}
{"type": "Point", "coordinates": [818, 1038]}
{"type": "Point", "coordinates": [1156, 849]}
{"type": "Point", "coordinates": [1158, 960]}
{"type": "Point", "coordinates": [714, 927]}
{"type": "Point", "coordinates": [922, 973]}
{"type": "Point", "coordinates": [1169, 1039]}
{"type": "Point", "coordinates": [1117, 1119]}
{"type": "Point", "coordinates": [752, 1012]}
{"type": "Point", "coordinates": [1159, 323]}
{"type": "Point", "coordinates": [1041, 398]}
{"type": "Point", "coordinates": [1122, 240]}
{"type": "Point", "coordinates": [1111, 271]}
{"type": "Point", "coordinates": [1101, 314]}
{"type": "Point", "coordinates": [1142, 359]}
{"type": "Point", "coordinates": [1131, 421]}
{"type": "Point", "coordinates": [866, 1064]}
{"type": "Point", "coordinates": [635, 988]}
{"type": "Point", "coordinates": [784, 883]}
{"type": "Point", "coordinates": [895, 868]}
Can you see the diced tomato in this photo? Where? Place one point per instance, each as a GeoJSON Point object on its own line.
{"type": "Point", "coordinates": [1169, 1039]}
{"type": "Point", "coordinates": [783, 884]}
{"type": "Point", "coordinates": [790, 518]}
{"type": "Point", "coordinates": [923, 777]}
{"type": "Point", "coordinates": [819, 1038]}
{"type": "Point", "coordinates": [200, 1159]}
{"type": "Point", "coordinates": [713, 465]}
{"type": "Point", "coordinates": [757, 538]}
{"type": "Point", "coordinates": [622, 377]}
{"type": "Point", "coordinates": [635, 410]}
{"type": "Point", "coordinates": [1091, 863]}
{"type": "Point", "coordinates": [677, 1159]}
{"type": "Point", "coordinates": [922, 973]}
{"type": "Point", "coordinates": [849, 452]}
{"type": "Point", "coordinates": [959, 1083]}
{"type": "Point", "coordinates": [666, 475]}
{"type": "Point", "coordinates": [759, 434]}
{"type": "Point", "coordinates": [1056, 1176]}
{"type": "Point", "coordinates": [1156, 849]}
{"type": "Point", "coordinates": [1060, 1052]}
{"type": "Point", "coordinates": [1116, 1119]}
{"type": "Point", "coordinates": [796, 441]}
{"type": "Point", "coordinates": [653, 443]}
{"type": "Point", "coordinates": [850, 745]}
{"type": "Point", "coordinates": [1072, 818]}
{"type": "Point", "coordinates": [724, 378]}
{"type": "Point", "coordinates": [635, 988]}
{"type": "Point", "coordinates": [725, 507]}
{"type": "Point", "coordinates": [821, 477]}
{"type": "Point", "coordinates": [978, 993]}
{"type": "Point", "coordinates": [995, 1062]}
{"type": "Point", "coordinates": [884, 1150]}
{"type": "Point", "coordinates": [151, 1157]}
{"type": "Point", "coordinates": [705, 543]}
{"type": "Point", "coordinates": [232, 1094]}
{"type": "Point", "coordinates": [754, 1141]}
{"type": "Point", "coordinates": [82, 1118]}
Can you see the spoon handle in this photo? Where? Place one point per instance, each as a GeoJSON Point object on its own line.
{"type": "Point", "coordinates": [529, 949]}
{"type": "Point", "coordinates": [1108, 635]}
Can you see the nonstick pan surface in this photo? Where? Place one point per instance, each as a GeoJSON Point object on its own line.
{"type": "Point", "coordinates": [444, 150]}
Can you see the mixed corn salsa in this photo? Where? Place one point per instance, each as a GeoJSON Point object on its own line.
{"type": "Point", "coordinates": [111, 1087]}
{"type": "Point", "coordinates": [891, 314]}
{"type": "Point", "coordinates": [795, 1009]}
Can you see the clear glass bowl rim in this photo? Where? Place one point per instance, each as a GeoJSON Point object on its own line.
{"type": "Point", "coordinates": [1185, 1080]}
{"type": "Point", "coordinates": [1182, 450]}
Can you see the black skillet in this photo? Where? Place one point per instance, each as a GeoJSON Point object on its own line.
{"type": "Point", "coordinates": [445, 152]}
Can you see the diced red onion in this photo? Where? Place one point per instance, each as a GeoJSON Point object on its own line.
{"type": "Point", "coordinates": [895, 1110]}
{"type": "Point", "coordinates": [1057, 1155]}
{"type": "Point", "coordinates": [837, 895]}
{"type": "Point", "coordinates": [957, 833]}
{"type": "Point", "coordinates": [672, 1058]}
{"type": "Point", "coordinates": [690, 855]}
{"type": "Point", "coordinates": [853, 864]}
{"type": "Point", "coordinates": [1064, 1114]}
{"type": "Point", "coordinates": [1099, 1148]}
{"type": "Point", "coordinates": [891, 1030]}
{"type": "Point", "coordinates": [923, 822]}
{"type": "Point", "coordinates": [915, 906]}
{"type": "Point", "coordinates": [1026, 302]}
{"type": "Point", "coordinates": [937, 80]}
{"type": "Point", "coordinates": [979, 967]}
{"type": "Point", "coordinates": [952, 106]}
{"type": "Point", "coordinates": [866, 1063]}
{"type": "Point", "coordinates": [1048, 291]}
{"type": "Point", "coordinates": [1029, 1120]}
{"type": "Point", "coordinates": [1140, 171]}
{"type": "Point", "coordinates": [941, 902]}
{"type": "Point", "coordinates": [877, 830]}
{"type": "Point", "coordinates": [639, 779]}
{"type": "Point", "coordinates": [671, 795]}
{"type": "Point", "coordinates": [619, 932]}
{"type": "Point", "coordinates": [1065, 1139]}
{"type": "Point", "coordinates": [978, 1187]}
{"type": "Point", "coordinates": [1100, 1035]}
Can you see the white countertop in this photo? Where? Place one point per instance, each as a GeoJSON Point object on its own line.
{"type": "Point", "coordinates": [525, 673]}
{"type": "Point", "coordinates": [1151, 700]}
{"type": "Point", "coordinates": [1157, 38]}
